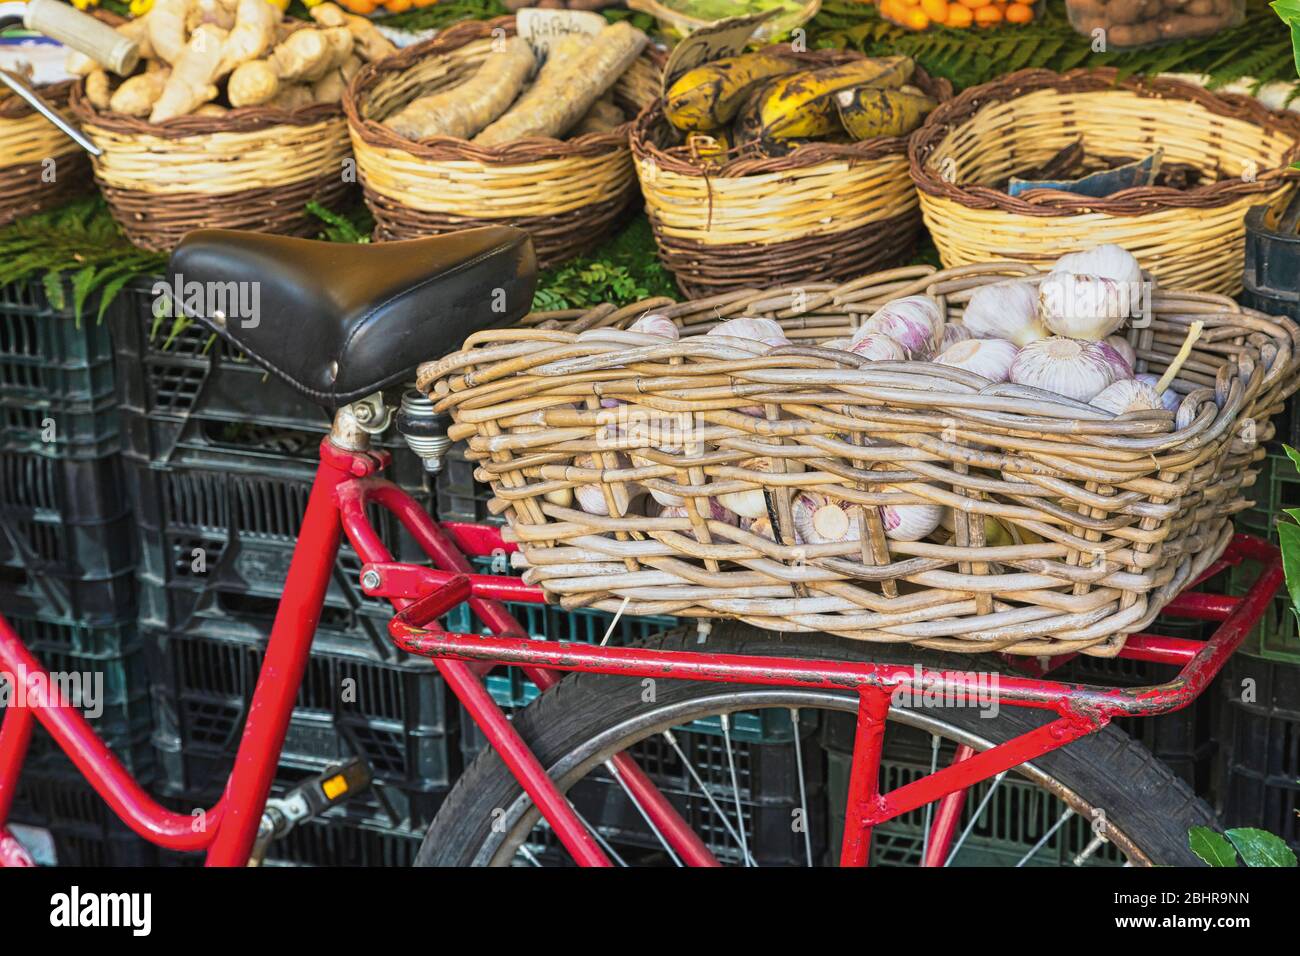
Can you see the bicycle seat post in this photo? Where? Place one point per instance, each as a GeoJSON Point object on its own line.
{"type": "Point", "coordinates": [356, 422]}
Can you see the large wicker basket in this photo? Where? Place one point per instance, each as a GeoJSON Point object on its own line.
{"type": "Point", "coordinates": [568, 194]}
{"type": "Point", "coordinates": [1190, 238]}
{"type": "Point", "coordinates": [824, 211]}
{"type": "Point", "coordinates": [1107, 518]}
{"type": "Point", "coordinates": [40, 167]}
{"type": "Point", "coordinates": [254, 168]}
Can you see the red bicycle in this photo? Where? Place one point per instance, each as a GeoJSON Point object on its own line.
{"type": "Point", "coordinates": [343, 323]}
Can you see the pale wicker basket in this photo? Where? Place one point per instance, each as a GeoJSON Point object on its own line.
{"type": "Point", "coordinates": [40, 167]}
{"type": "Point", "coordinates": [1108, 518]}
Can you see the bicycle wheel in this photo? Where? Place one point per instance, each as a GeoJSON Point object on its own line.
{"type": "Point", "coordinates": [758, 796]}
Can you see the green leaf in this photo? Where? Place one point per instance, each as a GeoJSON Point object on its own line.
{"type": "Point", "coordinates": [1289, 538]}
{"type": "Point", "coordinates": [1261, 848]}
{"type": "Point", "coordinates": [1211, 847]}
{"type": "Point", "coordinates": [1293, 455]}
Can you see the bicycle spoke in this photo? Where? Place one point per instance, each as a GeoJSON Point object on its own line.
{"type": "Point", "coordinates": [613, 769]}
{"type": "Point", "coordinates": [1069, 812]}
{"type": "Point", "coordinates": [1089, 850]}
{"type": "Point", "coordinates": [979, 811]}
{"type": "Point", "coordinates": [708, 794]}
{"type": "Point", "coordinates": [528, 855]}
{"type": "Point", "coordinates": [600, 839]}
{"type": "Point", "coordinates": [803, 791]}
{"type": "Point", "coordinates": [735, 785]}
{"type": "Point", "coordinates": [929, 807]}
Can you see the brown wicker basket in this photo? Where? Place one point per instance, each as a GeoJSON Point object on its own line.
{"type": "Point", "coordinates": [1102, 520]}
{"type": "Point", "coordinates": [568, 194]}
{"type": "Point", "coordinates": [825, 211]}
{"type": "Point", "coordinates": [1189, 238]}
{"type": "Point", "coordinates": [254, 168]}
{"type": "Point", "coordinates": [40, 167]}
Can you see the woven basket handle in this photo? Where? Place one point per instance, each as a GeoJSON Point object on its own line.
{"type": "Point", "coordinates": [83, 33]}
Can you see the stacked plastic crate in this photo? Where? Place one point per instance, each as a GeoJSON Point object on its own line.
{"type": "Point", "coordinates": [67, 561]}
{"type": "Point", "coordinates": [219, 461]}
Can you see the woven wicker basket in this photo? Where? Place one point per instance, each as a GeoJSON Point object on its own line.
{"type": "Point", "coordinates": [825, 211]}
{"type": "Point", "coordinates": [1107, 518]}
{"type": "Point", "coordinates": [252, 168]}
{"type": "Point", "coordinates": [1187, 238]}
{"type": "Point", "coordinates": [568, 194]}
{"type": "Point", "coordinates": [40, 167]}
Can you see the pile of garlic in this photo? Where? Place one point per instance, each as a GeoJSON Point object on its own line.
{"type": "Point", "coordinates": [1056, 335]}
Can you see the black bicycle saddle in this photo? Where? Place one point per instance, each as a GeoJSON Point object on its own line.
{"type": "Point", "coordinates": [339, 321]}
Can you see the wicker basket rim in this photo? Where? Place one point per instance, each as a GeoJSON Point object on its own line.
{"type": "Point", "coordinates": [14, 107]}
{"type": "Point", "coordinates": [451, 148]}
{"type": "Point", "coordinates": [803, 157]}
{"type": "Point", "coordinates": [1083, 79]}
{"type": "Point", "coordinates": [247, 119]}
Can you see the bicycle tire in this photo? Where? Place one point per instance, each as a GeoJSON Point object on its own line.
{"type": "Point", "coordinates": [1142, 798]}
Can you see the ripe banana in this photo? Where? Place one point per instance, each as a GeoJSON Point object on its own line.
{"type": "Point", "coordinates": [868, 111]}
{"type": "Point", "coordinates": [803, 105]}
{"type": "Point", "coordinates": [709, 149]}
{"type": "Point", "coordinates": [707, 97]}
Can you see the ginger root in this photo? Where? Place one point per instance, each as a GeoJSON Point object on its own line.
{"type": "Point", "coordinates": [370, 44]}
{"type": "Point", "coordinates": [253, 83]}
{"type": "Point", "coordinates": [193, 75]}
{"type": "Point", "coordinates": [96, 85]}
{"type": "Point", "coordinates": [253, 34]}
{"type": "Point", "coordinates": [307, 55]}
{"type": "Point", "coordinates": [292, 96]}
{"type": "Point", "coordinates": [137, 95]}
{"type": "Point", "coordinates": [167, 30]}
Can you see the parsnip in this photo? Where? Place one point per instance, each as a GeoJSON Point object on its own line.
{"type": "Point", "coordinates": [137, 95]}
{"type": "Point", "coordinates": [603, 116]}
{"type": "Point", "coordinates": [564, 52]}
{"type": "Point", "coordinates": [465, 109]}
{"type": "Point", "coordinates": [252, 83]}
{"type": "Point", "coordinates": [568, 96]}
{"type": "Point", "coordinates": [253, 34]}
{"type": "Point", "coordinates": [191, 82]}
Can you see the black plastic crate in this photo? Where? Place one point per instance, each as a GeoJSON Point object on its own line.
{"type": "Point", "coordinates": [1259, 729]}
{"type": "Point", "coordinates": [331, 843]}
{"type": "Point", "coordinates": [59, 428]}
{"type": "Point", "coordinates": [458, 497]}
{"type": "Point", "coordinates": [36, 592]}
{"type": "Point", "coordinates": [85, 831]}
{"type": "Point", "coordinates": [47, 352]}
{"type": "Point", "coordinates": [396, 716]}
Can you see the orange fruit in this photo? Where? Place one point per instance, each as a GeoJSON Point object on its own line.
{"type": "Point", "coordinates": [1019, 13]}
{"type": "Point", "coordinates": [916, 19]}
{"type": "Point", "coordinates": [959, 16]}
{"type": "Point", "coordinates": [936, 10]}
{"type": "Point", "coordinates": [975, 4]}
{"type": "Point", "coordinates": [987, 16]}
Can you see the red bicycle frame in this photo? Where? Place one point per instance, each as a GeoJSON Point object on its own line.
{"type": "Point", "coordinates": [345, 485]}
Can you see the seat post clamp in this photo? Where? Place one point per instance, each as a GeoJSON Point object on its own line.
{"type": "Point", "coordinates": [356, 422]}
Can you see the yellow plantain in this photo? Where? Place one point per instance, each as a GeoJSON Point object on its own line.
{"type": "Point", "coordinates": [707, 97]}
{"type": "Point", "coordinates": [803, 105]}
{"type": "Point", "coordinates": [708, 149]}
{"type": "Point", "coordinates": [867, 111]}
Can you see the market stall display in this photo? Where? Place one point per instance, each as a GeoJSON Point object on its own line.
{"type": "Point", "coordinates": [466, 129]}
{"type": "Point", "coordinates": [781, 167]}
{"type": "Point", "coordinates": [957, 14]}
{"type": "Point", "coordinates": [1219, 155]}
{"type": "Point", "coordinates": [233, 120]}
{"type": "Point", "coordinates": [40, 167]}
{"type": "Point", "coordinates": [680, 18]}
{"type": "Point", "coordinates": [755, 456]}
{"type": "Point", "coordinates": [1129, 23]}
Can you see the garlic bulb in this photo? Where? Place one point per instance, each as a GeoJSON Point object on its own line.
{"type": "Point", "coordinates": [841, 344]}
{"type": "Point", "coordinates": [910, 522]}
{"type": "Point", "coordinates": [878, 347]}
{"type": "Point", "coordinates": [753, 329]}
{"type": "Point", "coordinates": [1127, 395]}
{"type": "Point", "coordinates": [1068, 367]}
{"type": "Point", "coordinates": [990, 358]}
{"type": "Point", "coordinates": [654, 324]}
{"type": "Point", "coordinates": [751, 503]}
{"type": "Point", "coordinates": [1004, 310]}
{"type": "Point", "coordinates": [716, 512]}
{"type": "Point", "coordinates": [1115, 358]}
{"type": "Point", "coordinates": [1169, 399]}
{"type": "Point", "coordinates": [954, 332]}
{"type": "Point", "coordinates": [819, 520]}
{"type": "Point", "coordinates": [591, 497]}
{"type": "Point", "coordinates": [1083, 307]}
{"type": "Point", "coordinates": [1126, 351]}
{"type": "Point", "coordinates": [1108, 261]}
{"type": "Point", "coordinates": [913, 322]}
